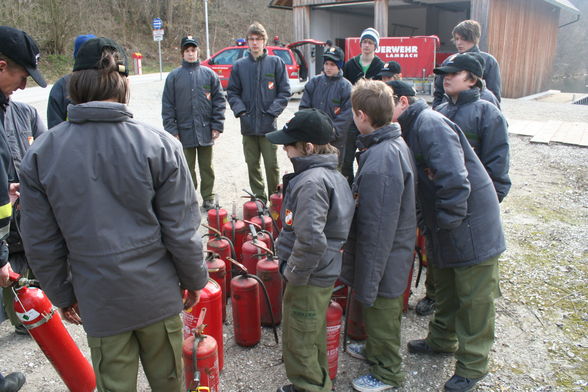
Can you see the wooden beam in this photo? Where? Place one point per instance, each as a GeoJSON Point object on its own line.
{"type": "Point", "coordinates": [301, 23]}
{"type": "Point", "coordinates": [381, 17]}
{"type": "Point", "coordinates": [479, 11]}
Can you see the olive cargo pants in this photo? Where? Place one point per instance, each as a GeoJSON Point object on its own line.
{"type": "Point", "coordinates": [254, 147]}
{"type": "Point", "coordinates": [304, 337]}
{"type": "Point", "coordinates": [464, 317]}
{"type": "Point", "coordinates": [159, 346]}
{"type": "Point", "coordinates": [382, 349]}
{"type": "Point", "coordinates": [204, 167]}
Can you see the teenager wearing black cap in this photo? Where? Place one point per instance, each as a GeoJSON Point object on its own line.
{"type": "Point", "coordinates": [331, 93]}
{"type": "Point", "coordinates": [193, 110]}
{"type": "Point", "coordinates": [482, 122]}
{"type": "Point", "coordinates": [461, 218]}
{"type": "Point", "coordinates": [109, 221]}
{"type": "Point", "coordinates": [466, 36]}
{"type": "Point", "coordinates": [390, 71]}
{"type": "Point", "coordinates": [19, 57]}
{"type": "Point", "coordinates": [316, 216]}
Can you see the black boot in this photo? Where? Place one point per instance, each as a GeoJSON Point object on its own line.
{"type": "Point", "coordinates": [461, 384]}
{"type": "Point", "coordinates": [425, 306]}
{"type": "Point", "coordinates": [13, 382]}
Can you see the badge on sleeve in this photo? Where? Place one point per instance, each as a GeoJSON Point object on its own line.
{"type": "Point", "coordinates": [271, 85]}
{"type": "Point", "coordinates": [288, 217]}
{"type": "Point", "coordinates": [337, 110]}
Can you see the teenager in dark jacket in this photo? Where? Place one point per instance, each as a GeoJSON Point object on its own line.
{"type": "Point", "coordinates": [466, 36]}
{"type": "Point", "coordinates": [193, 110]}
{"type": "Point", "coordinates": [19, 56]}
{"type": "Point", "coordinates": [365, 65]}
{"type": "Point", "coordinates": [464, 236]}
{"type": "Point", "coordinates": [331, 93]}
{"type": "Point", "coordinates": [258, 93]}
{"type": "Point", "coordinates": [59, 96]}
{"type": "Point", "coordinates": [482, 122]}
{"type": "Point", "coordinates": [317, 212]}
{"type": "Point", "coordinates": [379, 251]}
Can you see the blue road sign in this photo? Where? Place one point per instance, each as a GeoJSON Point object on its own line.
{"type": "Point", "coordinates": [157, 23]}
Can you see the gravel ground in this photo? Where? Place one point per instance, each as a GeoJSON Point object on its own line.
{"type": "Point", "coordinates": [542, 317]}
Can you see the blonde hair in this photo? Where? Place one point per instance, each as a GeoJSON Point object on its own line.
{"type": "Point", "coordinates": [257, 28]}
{"type": "Point", "coordinates": [375, 99]}
{"type": "Point", "coordinates": [317, 149]}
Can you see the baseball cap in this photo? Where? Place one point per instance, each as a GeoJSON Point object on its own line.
{"type": "Point", "coordinates": [90, 53]}
{"type": "Point", "coordinates": [461, 62]}
{"type": "Point", "coordinates": [402, 89]}
{"type": "Point", "coordinates": [189, 40]}
{"type": "Point", "coordinates": [307, 125]}
{"type": "Point", "coordinates": [335, 55]}
{"type": "Point", "coordinates": [390, 68]}
{"type": "Point", "coordinates": [23, 50]}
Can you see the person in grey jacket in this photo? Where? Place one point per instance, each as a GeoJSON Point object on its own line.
{"type": "Point", "coordinates": [258, 93]}
{"type": "Point", "coordinates": [462, 225]}
{"type": "Point", "coordinates": [466, 36]}
{"type": "Point", "coordinates": [331, 93]}
{"type": "Point", "coordinates": [317, 212]}
{"type": "Point", "coordinates": [482, 122]}
{"type": "Point", "coordinates": [59, 96]}
{"type": "Point", "coordinates": [22, 125]}
{"type": "Point", "coordinates": [109, 224]}
{"type": "Point", "coordinates": [193, 110]}
{"type": "Point", "coordinates": [379, 251]}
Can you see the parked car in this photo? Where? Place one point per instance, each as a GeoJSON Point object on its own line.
{"type": "Point", "coordinates": [222, 62]}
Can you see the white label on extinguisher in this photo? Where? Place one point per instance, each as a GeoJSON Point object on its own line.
{"type": "Point", "coordinates": [28, 315]}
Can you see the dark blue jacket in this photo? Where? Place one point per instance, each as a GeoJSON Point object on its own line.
{"type": "Point", "coordinates": [379, 251]}
{"type": "Point", "coordinates": [456, 197]}
{"type": "Point", "coordinates": [487, 131]}
{"type": "Point", "coordinates": [5, 207]}
{"type": "Point", "coordinates": [491, 76]}
{"type": "Point", "coordinates": [58, 101]}
{"type": "Point", "coordinates": [332, 95]}
{"type": "Point", "coordinates": [258, 92]}
{"type": "Point", "coordinates": [193, 105]}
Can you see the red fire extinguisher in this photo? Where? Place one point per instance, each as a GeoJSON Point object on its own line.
{"type": "Point", "coordinates": [210, 298]}
{"type": "Point", "coordinates": [217, 272]}
{"type": "Point", "coordinates": [276, 200]}
{"type": "Point", "coordinates": [268, 270]}
{"type": "Point", "coordinates": [246, 309]}
{"type": "Point", "coordinates": [251, 207]}
{"type": "Point", "coordinates": [261, 235]}
{"type": "Point", "coordinates": [251, 253]}
{"type": "Point", "coordinates": [224, 248]}
{"type": "Point", "coordinates": [217, 216]}
{"type": "Point", "coordinates": [236, 231]}
{"type": "Point", "coordinates": [340, 294]}
{"type": "Point", "coordinates": [201, 367]}
{"type": "Point", "coordinates": [334, 314]}
{"type": "Point", "coordinates": [36, 313]}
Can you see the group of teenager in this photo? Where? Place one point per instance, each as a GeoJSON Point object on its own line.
{"type": "Point", "coordinates": [108, 203]}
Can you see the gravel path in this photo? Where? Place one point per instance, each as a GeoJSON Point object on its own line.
{"type": "Point", "coordinates": [542, 317]}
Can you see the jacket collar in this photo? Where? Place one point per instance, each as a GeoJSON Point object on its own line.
{"type": "Point", "coordinates": [474, 49]}
{"type": "Point", "coordinates": [98, 111]}
{"type": "Point", "coordinates": [264, 54]}
{"type": "Point", "coordinates": [390, 131]}
{"type": "Point", "coordinates": [4, 101]}
{"type": "Point", "coordinates": [303, 163]}
{"type": "Point", "coordinates": [186, 64]}
{"type": "Point", "coordinates": [466, 96]}
{"type": "Point", "coordinates": [407, 118]}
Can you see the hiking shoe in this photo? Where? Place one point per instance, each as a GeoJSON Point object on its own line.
{"type": "Point", "coordinates": [369, 383]}
{"type": "Point", "coordinates": [288, 388]}
{"type": "Point", "coordinates": [425, 306]}
{"type": "Point", "coordinates": [356, 350]}
{"type": "Point", "coordinates": [461, 384]}
{"type": "Point", "coordinates": [207, 205]}
{"type": "Point", "coordinates": [21, 330]}
{"type": "Point", "coordinates": [13, 382]}
{"type": "Point", "coordinates": [420, 346]}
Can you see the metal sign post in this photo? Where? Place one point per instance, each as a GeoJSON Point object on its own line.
{"type": "Point", "coordinates": [158, 32]}
{"type": "Point", "coordinates": [206, 28]}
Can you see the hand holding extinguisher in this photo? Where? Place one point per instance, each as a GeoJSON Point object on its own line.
{"type": "Point", "coordinates": [192, 298]}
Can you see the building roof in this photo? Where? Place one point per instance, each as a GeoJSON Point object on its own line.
{"type": "Point", "coordinates": [287, 4]}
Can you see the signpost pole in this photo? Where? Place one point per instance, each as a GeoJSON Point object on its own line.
{"type": "Point", "coordinates": [206, 27]}
{"type": "Point", "coordinates": [160, 67]}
